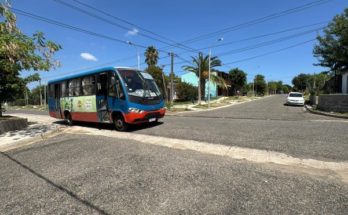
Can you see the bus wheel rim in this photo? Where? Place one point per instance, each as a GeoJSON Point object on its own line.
{"type": "Point", "coordinates": [119, 123]}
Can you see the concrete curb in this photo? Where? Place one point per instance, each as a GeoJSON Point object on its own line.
{"type": "Point", "coordinates": [211, 109]}
{"type": "Point", "coordinates": [31, 140]}
{"type": "Point", "coordinates": [324, 113]}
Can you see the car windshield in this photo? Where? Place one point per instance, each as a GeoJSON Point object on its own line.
{"type": "Point", "coordinates": [295, 95]}
{"type": "Point", "coordinates": [139, 84]}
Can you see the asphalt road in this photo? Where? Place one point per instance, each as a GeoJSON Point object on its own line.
{"type": "Point", "coordinates": [263, 124]}
{"type": "Point", "coordinates": [80, 174]}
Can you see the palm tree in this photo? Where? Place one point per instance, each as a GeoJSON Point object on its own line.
{"type": "Point", "coordinates": [201, 69]}
{"type": "Point", "coordinates": [151, 56]}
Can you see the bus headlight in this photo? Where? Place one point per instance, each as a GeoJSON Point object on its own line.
{"type": "Point", "coordinates": [135, 110]}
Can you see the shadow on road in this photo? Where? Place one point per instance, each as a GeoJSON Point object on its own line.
{"type": "Point", "coordinates": [57, 186]}
{"type": "Point", "coordinates": [109, 126]}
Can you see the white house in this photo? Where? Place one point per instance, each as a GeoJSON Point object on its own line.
{"type": "Point", "coordinates": [345, 83]}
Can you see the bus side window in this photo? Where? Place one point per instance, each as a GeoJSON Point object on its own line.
{"type": "Point", "coordinates": [111, 84]}
{"type": "Point", "coordinates": [71, 87]}
{"type": "Point", "coordinates": [119, 89]}
{"type": "Point", "coordinates": [77, 87]}
{"type": "Point", "coordinates": [64, 89]}
{"type": "Point", "coordinates": [88, 85]}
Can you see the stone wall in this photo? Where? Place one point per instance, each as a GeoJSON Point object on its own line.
{"type": "Point", "coordinates": [335, 103]}
{"type": "Point", "coordinates": [12, 123]}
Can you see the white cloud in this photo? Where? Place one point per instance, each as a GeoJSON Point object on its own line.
{"type": "Point", "coordinates": [132, 32]}
{"type": "Point", "coordinates": [88, 56]}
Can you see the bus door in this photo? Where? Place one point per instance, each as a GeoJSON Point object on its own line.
{"type": "Point", "coordinates": [116, 96]}
{"type": "Point", "coordinates": [101, 96]}
{"type": "Point", "coordinates": [57, 108]}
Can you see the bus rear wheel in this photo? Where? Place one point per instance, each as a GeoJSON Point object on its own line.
{"type": "Point", "coordinates": [120, 123]}
{"type": "Point", "coordinates": [68, 119]}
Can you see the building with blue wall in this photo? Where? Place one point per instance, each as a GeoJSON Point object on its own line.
{"type": "Point", "coordinates": [191, 78]}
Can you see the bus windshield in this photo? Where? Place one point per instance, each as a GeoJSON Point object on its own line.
{"type": "Point", "coordinates": [139, 84]}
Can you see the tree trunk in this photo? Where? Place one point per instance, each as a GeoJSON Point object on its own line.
{"type": "Point", "coordinates": [203, 88]}
{"type": "Point", "coordinates": [199, 92]}
{"type": "Point", "coordinates": [0, 109]}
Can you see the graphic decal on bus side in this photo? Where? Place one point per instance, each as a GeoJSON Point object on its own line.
{"type": "Point", "coordinates": [79, 104]}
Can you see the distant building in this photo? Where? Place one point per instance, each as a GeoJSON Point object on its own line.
{"type": "Point", "coordinates": [191, 78]}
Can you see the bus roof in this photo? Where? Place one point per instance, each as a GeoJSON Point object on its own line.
{"type": "Point", "coordinates": [95, 71]}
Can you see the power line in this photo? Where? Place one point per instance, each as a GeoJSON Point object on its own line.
{"type": "Point", "coordinates": [271, 52]}
{"type": "Point", "coordinates": [114, 23]}
{"type": "Point", "coordinates": [267, 43]}
{"type": "Point", "coordinates": [63, 25]}
{"type": "Point", "coordinates": [257, 21]}
{"type": "Point", "coordinates": [262, 35]}
{"type": "Point", "coordinates": [89, 68]}
{"type": "Point", "coordinates": [129, 23]}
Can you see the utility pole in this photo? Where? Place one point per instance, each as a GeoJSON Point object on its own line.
{"type": "Point", "coordinates": [209, 79]}
{"type": "Point", "coordinates": [254, 87]}
{"type": "Point", "coordinates": [164, 84]}
{"type": "Point", "coordinates": [199, 80]}
{"type": "Point", "coordinates": [40, 92]}
{"type": "Point", "coordinates": [171, 77]}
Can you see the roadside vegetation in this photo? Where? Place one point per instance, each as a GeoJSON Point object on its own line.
{"type": "Point", "coordinates": [20, 52]}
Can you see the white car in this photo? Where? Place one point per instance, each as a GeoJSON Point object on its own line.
{"type": "Point", "coordinates": [295, 98]}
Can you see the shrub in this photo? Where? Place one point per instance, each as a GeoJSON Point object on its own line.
{"type": "Point", "coordinates": [186, 92]}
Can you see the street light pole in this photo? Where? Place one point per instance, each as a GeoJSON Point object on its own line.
{"type": "Point", "coordinates": [209, 79]}
{"type": "Point", "coordinates": [138, 55]}
{"type": "Point", "coordinates": [171, 77]}
{"type": "Point", "coordinates": [220, 39]}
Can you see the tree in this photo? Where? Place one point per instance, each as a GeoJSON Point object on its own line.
{"type": "Point", "coordinates": [238, 79]}
{"type": "Point", "coordinates": [316, 83]}
{"type": "Point", "coordinates": [272, 87]}
{"type": "Point", "coordinates": [260, 85]}
{"type": "Point", "coordinates": [332, 50]}
{"type": "Point", "coordinates": [286, 88]}
{"type": "Point", "coordinates": [185, 91]}
{"type": "Point", "coordinates": [201, 67]}
{"type": "Point", "coordinates": [157, 74]}
{"type": "Point", "coordinates": [300, 82]}
{"type": "Point", "coordinates": [20, 52]}
{"type": "Point", "coordinates": [151, 56]}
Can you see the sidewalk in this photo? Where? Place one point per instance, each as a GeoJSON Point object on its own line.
{"type": "Point", "coordinates": [39, 128]}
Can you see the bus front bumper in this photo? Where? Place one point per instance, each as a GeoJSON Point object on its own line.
{"type": "Point", "coordinates": [145, 116]}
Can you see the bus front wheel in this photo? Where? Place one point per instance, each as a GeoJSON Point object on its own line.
{"type": "Point", "coordinates": [120, 124]}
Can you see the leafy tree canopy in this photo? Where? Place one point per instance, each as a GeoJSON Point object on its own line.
{"type": "Point", "coordinates": [260, 84]}
{"type": "Point", "coordinates": [332, 50]}
{"type": "Point", "coordinates": [151, 56]}
{"type": "Point", "coordinates": [21, 52]}
{"type": "Point", "coordinates": [200, 66]}
{"type": "Point", "coordinates": [300, 82]}
{"type": "Point", "coordinates": [238, 79]}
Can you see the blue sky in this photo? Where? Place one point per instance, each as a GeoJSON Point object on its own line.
{"type": "Point", "coordinates": [181, 20]}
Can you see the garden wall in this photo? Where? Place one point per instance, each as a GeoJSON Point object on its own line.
{"type": "Point", "coordinates": [335, 102]}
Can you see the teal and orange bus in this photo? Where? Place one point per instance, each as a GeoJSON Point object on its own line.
{"type": "Point", "coordinates": [121, 96]}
